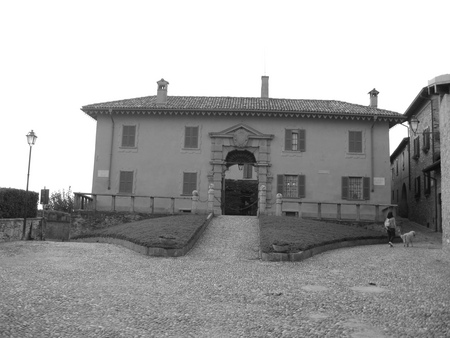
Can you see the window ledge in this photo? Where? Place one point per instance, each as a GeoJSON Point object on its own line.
{"type": "Point", "coordinates": [355, 155]}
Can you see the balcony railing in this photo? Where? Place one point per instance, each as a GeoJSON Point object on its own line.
{"type": "Point", "coordinates": [313, 209]}
{"type": "Point", "coordinates": [87, 201]}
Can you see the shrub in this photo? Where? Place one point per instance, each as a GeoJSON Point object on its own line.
{"type": "Point", "coordinates": [62, 201]}
{"type": "Point", "coordinates": [12, 203]}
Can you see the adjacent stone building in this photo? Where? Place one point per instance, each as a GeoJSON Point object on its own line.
{"type": "Point", "coordinates": [442, 87]}
{"type": "Point", "coordinates": [417, 178]}
{"type": "Point", "coordinates": [307, 150]}
{"type": "Point", "coordinates": [401, 179]}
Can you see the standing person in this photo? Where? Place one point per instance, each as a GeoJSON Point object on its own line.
{"type": "Point", "coordinates": [390, 225]}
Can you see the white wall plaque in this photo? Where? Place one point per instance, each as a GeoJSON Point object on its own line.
{"type": "Point", "coordinates": [379, 181]}
{"type": "Point", "coordinates": [103, 173]}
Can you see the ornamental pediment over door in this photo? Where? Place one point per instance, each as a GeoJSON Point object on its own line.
{"type": "Point", "coordinates": [240, 134]}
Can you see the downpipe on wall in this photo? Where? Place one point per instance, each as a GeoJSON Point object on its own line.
{"type": "Point", "coordinates": [111, 151]}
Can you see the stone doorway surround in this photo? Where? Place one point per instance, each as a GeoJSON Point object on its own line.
{"type": "Point", "coordinates": [239, 137]}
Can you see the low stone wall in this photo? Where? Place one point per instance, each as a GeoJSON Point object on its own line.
{"type": "Point", "coordinates": [152, 251]}
{"type": "Point", "coordinates": [11, 229]}
{"type": "Point", "coordinates": [87, 221]}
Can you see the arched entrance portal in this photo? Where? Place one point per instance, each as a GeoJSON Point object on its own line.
{"type": "Point", "coordinates": [239, 144]}
{"type": "Point", "coordinates": [240, 184]}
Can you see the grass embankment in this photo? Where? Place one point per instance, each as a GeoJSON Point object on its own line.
{"type": "Point", "coordinates": [147, 232]}
{"type": "Point", "coordinates": [304, 234]}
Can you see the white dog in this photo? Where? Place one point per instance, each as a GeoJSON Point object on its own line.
{"type": "Point", "coordinates": [407, 238]}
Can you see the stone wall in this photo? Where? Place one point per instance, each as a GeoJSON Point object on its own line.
{"type": "Point", "coordinates": [57, 225]}
{"type": "Point", "coordinates": [86, 221]}
{"type": "Point", "coordinates": [444, 115]}
{"type": "Point", "coordinates": [11, 229]}
{"type": "Point", "coordinates": [422, 209]}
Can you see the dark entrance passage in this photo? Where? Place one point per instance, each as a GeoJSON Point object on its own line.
{"type": "Point", "coordinates": [240, 184]}
{"type": "Point", "coordinates": [241, 197]}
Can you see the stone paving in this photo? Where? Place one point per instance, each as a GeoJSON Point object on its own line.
{"type": "Point", "coordinates": [222, 289]}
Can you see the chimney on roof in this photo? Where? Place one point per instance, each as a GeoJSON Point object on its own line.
{"type": "Point", "coordinates": [374, 98]}
{"type": "Point", "coordinates": [264, 87]}
{"type": "Point", "coordinates": [161, 97]}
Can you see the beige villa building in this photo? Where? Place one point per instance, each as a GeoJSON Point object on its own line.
{"type": "Point", "coordinates": [318, 151]}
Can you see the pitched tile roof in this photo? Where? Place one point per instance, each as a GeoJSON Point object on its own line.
{"type": "Point", "coordinates": [242, 105]}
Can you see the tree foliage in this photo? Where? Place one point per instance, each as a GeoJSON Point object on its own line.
{"type": "Point", "coordinates": [62, 200]}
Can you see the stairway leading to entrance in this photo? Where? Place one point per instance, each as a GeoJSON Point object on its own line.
{"type": "Point", "coordinates": [228, 238]}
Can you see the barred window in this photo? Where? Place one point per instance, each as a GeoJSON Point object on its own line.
{"type": "Point", "coordinates": [356, 188]}
{"type": "Point", "coordinates": [291, 186]}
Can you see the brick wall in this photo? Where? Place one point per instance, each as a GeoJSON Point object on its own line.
{"type": "Point", "coordinates": [444, 114]}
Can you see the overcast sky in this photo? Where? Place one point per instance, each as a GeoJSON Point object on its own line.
{"type": "Point", "coordinates": [57, 56]}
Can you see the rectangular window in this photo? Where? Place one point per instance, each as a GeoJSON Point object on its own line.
{"type": "Point", "coordinates": [248, 171]}
{"type": "Point", "coordinates": [355, 141]}
{"type": "Point", "coordinates": [396, 166]}
{"type": "Point", "coordinates": [128, 136]}
{"type": "Point", "coordinates": [126, 182]}
{"type": "Point", "coordinates": [403, 161]}
{"type": "Point", "coordinates": [189, 183]}
{"type": "Point", "coordinates": [416, 148]}
{"type": "Point", "coordinates": [191, 137]}
{"type": "Point", "coordinates": [356, 188]}
{"type": "Point", "coordinates": [426, 139]}
{"type": "Point", "coordinates": [417, 187]}
{"type": "Point", "coordinates": [426, 184]}
{"type": "Point", "coordinates": [291, 186]}
{"type": "Point", "coordinates": [294, 140]}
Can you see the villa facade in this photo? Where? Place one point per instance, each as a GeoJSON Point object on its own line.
{"type": "Point", "coordinates": [307, 150]}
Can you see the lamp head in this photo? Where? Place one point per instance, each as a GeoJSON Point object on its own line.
{"type": "Point", "coordinates": [31, 138]}
{"type": "Point", "coordinates": [414, 123]}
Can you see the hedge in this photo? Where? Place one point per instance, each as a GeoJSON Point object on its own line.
{"type": "Point", "coordinates": [12, 203]}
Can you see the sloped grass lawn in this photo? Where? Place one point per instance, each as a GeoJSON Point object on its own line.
{"type": "Point", "coordinates": [304, 234]}
{"type": "Point", "coordinates": [147, 232]}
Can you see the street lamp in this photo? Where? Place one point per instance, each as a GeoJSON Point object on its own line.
{"type": "Point", "coordinates": [31, 139]}
{"type": "Point", "coordinates": [414, 123]}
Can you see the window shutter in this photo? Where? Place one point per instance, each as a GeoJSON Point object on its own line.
{"type": "Point", "coordinates": [366, 188]}
{"type": "Point", "coordinates": [128, 136]}
{"type": "Point", "coordinates": [354, 142]}
{"type": "Point", "coordinates": [191, 137]}
{"type": "Point", "coordinates": [301, 186]}
{"type": "Point", "coordinates": [126, 182]}
{"type": "Point", "coordinates": [189, 183]}
{"type": "Point", "coordinates": [186, 137]}
{"type": "Point", "coordinates": [248, 170]}
{"type": "Point", "coordinates": [301, 140]}
{"type": "Point", "coordinates": [280, 184]}
{"type": "Point", "coordinates": [288, 139]}
{"type": "Point", "coordinates": [194, 137]}
{"type": "Point", "coordinates": [344, 188]}
{"type": "Point", "coordinates": [351, 142]}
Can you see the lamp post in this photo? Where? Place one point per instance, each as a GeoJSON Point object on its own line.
{"type": "Point", "coordinates": [31, 139]}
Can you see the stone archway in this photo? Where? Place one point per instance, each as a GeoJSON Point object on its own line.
{"type": "Point", "coordinates": [238, 156]}
{"type": "Point", "coordinates": [239, 192]}
{"type": "Point", "coordinates": [232, 145]}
